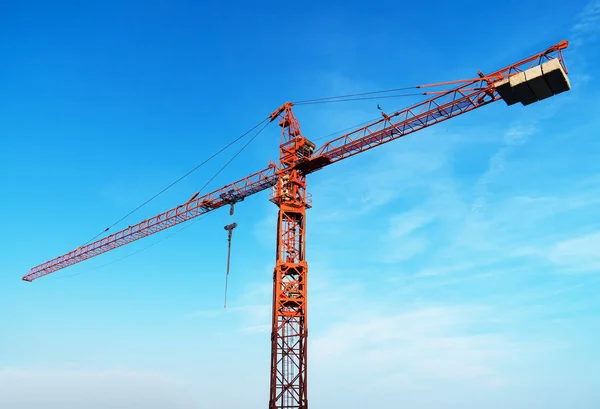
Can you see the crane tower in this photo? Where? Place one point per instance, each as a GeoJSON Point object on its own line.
{"type": "Point", "coordinates": [535, 78]}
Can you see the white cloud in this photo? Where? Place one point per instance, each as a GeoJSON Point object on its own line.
{"type": "Point", "coordinates": [253, 312]}
{"type": "Point", "coordinates": [76, 389]}
{"type": "Point", "coordinates": [256, 329]}
{"type": "Point", "coordinates": [584, 33]}
{"type": "Point", "coordinates": [359, 186]}
{"type": "Point", "coordinates": [516, 135]}
{"type": "Point", "coordinates": [588, 22]}
{"type": "Point", "coordinates": [427, 344]}
{"type": "Point", "coordinates": [392, 252]}
{"type": "Point", "coordinates": [401, 241]}
{"type": "Point", "coordinates": [577, 254]}
{"type": "Point", "coordinates": [206, 313]}
{"type": "Point", "coordinates": [405, 223]}
{"type": "Point", "coordinates": [265, 228]}
{"type": "Point", "coordinates": [445, 270]}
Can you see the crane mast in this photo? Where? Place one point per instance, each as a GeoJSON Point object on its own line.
{"type": "Point", "coordinates": [290, 277]}
{"type": "Point", "coordinates": [535, 78]}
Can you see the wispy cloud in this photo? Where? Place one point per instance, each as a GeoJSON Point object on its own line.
{"type": "Point", "coordinates": [74, 389]}
{"type": "Point", "coordinates": [427, 344]}
{"type": "Point", "coordinates": [584, 35]}
{"type": "Point", "coordinates": [408, 222]}
{"type": "Point", "coordinates": [256, 329]}
{"type": "Point", "coordinates": [516, 135]}
{"type": "Point", "coordinates": [374, 184]}
{"type": "Point", "coordinates": [587, 25]}
{"type": "Point", "coordinates": [252, 311]}
{"type": "Point", "coordinates": [577, 254]}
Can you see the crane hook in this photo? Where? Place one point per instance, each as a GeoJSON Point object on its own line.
{"type": "Point", "coordinates": [229, 229]}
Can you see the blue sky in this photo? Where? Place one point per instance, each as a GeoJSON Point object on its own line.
{"type": "Point", "coordinates": [457, 267]}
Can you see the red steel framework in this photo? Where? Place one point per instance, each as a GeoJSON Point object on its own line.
{"type": "Point", "coordinates": [290, 298]}
{"type": "Point", "coordinates": [298, 158]}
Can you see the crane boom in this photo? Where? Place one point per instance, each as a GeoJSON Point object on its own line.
{"type": "Point", "coordinates": [234, 192]}
{"type": "Point", "coordinates": [469, 95]}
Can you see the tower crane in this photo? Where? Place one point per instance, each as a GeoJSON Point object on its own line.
{"type": "Point", "coordinates": [530, 80]}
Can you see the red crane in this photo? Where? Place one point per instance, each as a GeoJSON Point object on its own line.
{"type": "Point", "coordinates": [535, 78]}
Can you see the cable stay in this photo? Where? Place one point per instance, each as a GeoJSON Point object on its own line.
{"type": "Point", "coordinates": [363, 95]}
{"type": "Point", "coordinates": [186, 175]}
{"type": "Point", "coordinates": [118, 239]}
{"type": "Point", "coordinates": [370, 94]}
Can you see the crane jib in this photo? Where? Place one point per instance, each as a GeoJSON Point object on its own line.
{"type": "Point", "coordinates": [530, 80]}
{"type": "Point", "coordinates": [243, 188]}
